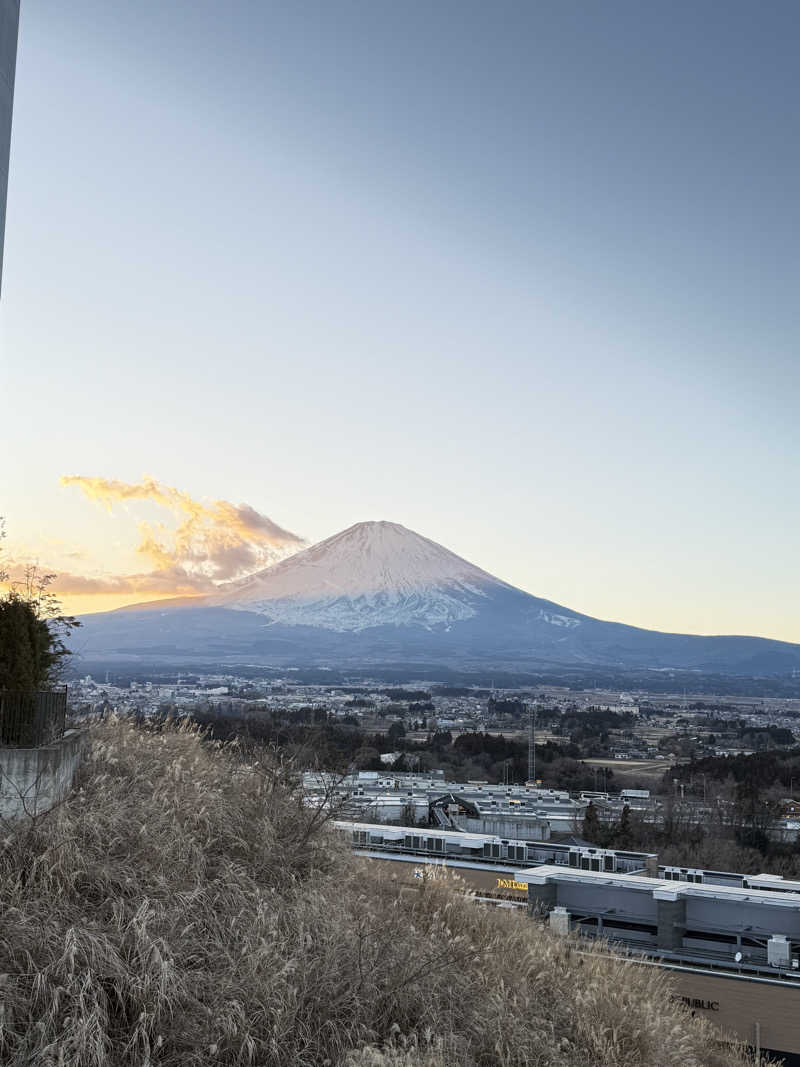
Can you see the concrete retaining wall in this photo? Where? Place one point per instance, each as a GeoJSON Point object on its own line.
{"type": "Point", "coordinates": [32, 780]}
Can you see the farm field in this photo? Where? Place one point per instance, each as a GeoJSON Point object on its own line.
{"type": "Point", "coordinates": [651, 769]}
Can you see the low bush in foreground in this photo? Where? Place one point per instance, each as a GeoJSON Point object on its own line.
{"type": "Point", "coordinates": [184, 907]}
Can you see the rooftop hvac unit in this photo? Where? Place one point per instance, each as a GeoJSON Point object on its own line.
{"type": "Point", "coordinates": [559, 921]}
{"type": "Point", "coordinates": [779, 951]}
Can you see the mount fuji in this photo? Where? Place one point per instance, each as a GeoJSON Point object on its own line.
{"type": "Point", "coordinates": [374, 574]}
{"type": "Point", "coordinates": [378, 593]}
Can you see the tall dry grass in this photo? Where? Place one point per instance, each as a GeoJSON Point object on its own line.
{"type": "Point", "coordinates": [183, 908]}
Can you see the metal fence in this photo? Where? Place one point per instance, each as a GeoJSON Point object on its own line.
{"type": "Point", "coordinates": [28, 720]}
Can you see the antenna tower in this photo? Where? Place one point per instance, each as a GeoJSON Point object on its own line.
{"type": "Point", "coordinates": [531, 742]}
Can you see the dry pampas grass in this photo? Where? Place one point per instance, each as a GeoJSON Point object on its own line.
{"type": "Point", "coordinates": [184, 907]}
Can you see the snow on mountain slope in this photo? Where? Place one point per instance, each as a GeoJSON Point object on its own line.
{"type": "Point", "coordinates": [373, 574]}
{"type": "Point", "coordinates": [379, 593]}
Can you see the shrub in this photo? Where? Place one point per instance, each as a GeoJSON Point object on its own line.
{"type": "Point", "coordinates": [32, 632]}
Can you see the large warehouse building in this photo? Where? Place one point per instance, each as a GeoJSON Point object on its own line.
{"type": "Point", "coordinates": [9, 28]}
{"type": "Point", "coordinates": [733, 950]}
{"type": "Point", "coordinates": [730, 941]}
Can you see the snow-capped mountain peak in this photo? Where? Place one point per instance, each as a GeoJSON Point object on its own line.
{"type": "Point", "coordinates": [372, 574]}
{"type": "Point", "coordinates": [378, 594]}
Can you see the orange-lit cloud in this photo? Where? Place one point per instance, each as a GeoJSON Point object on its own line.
{"type": "Point", "coordinates": [211, 543]}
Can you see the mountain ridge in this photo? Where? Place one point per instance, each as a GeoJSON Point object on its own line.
{"type": "Point", "coordinates": [378, 592]}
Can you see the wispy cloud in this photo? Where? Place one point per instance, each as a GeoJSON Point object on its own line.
{"type": "Point", "coordinates": [211, 543]}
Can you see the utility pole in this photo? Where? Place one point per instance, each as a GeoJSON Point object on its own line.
{"type": "Point", "coordinates": [532, 743]}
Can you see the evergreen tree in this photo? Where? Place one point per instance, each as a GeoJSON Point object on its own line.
{"type": "Point", "coordinates": [625, 828]}
{"type": "Point", "coordinates": [32, 631]}
{"type": "Point", "coordinates": [591, 823]}
{"type": "Point", "coordinates": [396, 731]}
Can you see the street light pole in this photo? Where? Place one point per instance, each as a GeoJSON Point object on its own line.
{"type": "Point", "coordinates": [532, 744]}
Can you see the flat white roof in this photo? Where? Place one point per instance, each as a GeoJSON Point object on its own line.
{"type": "Point", "coordinates": [660, 889]}
{"type": "Point", "coordinates": [774, 879]}
{"type": "Point", "coordinates": [434, 861]}
{"type": "Point", "coordinates": [423, 831]}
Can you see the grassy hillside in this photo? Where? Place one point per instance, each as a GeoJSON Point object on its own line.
{"type": "Point", "coordinates": [183, 908]}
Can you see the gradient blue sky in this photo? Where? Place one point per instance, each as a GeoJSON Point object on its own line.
{"type": "Point", "coordinates": [521, 276]}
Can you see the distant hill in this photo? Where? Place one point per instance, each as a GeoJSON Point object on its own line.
{"type": "Point", "coordinates": [379, 593]}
